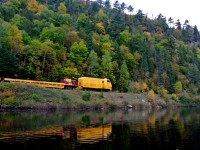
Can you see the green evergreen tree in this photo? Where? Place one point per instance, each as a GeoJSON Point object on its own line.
{"type": "Point", "coordinates": [94, 65]}
{"type": "Point", "coordinates": [178, 24]}
{"type": "Point", "coordinates": [193, 74]}
{"type": "Point", "coordinates": [196, 34]}
{"type": "Point", "coordinates": [171, 21]}
{"type": "Point", "coordinates": [161, 22]}
{"type": "Point", "coordinates": [124, 78]}
{"type": "Point", "coordinates": [106, 64]}
{"type": "Point", "coordinates": [107, 67]}
{"type": "Point", "coordinates": [139, 16]}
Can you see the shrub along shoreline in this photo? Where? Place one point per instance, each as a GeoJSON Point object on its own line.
{"type": "Point", "coordinates": [26, 97]}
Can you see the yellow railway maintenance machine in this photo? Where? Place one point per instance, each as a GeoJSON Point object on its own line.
{"type": "Point", "coordinates": [95, 83]}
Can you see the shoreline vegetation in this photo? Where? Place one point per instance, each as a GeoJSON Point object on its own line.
{"type": "Point", "coordinates": [22, 97]}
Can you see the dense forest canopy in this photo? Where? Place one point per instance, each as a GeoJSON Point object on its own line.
{"type": "Point", "coordinates": [53, 39]}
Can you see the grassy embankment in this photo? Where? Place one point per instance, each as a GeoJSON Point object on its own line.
{"type": "Point", "coordinates": [16, 96]}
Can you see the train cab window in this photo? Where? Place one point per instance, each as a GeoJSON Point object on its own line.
{"type": "Point", "coordinates": [108, 80]}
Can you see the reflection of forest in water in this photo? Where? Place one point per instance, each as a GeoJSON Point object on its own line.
{"type": "Point", "coordinates": [177, 128]}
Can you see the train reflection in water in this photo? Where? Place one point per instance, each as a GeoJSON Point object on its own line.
{"type": "Point", "coordinates": [89, 134]}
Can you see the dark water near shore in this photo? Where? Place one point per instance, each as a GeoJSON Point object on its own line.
{"type": "Point", "coordinates": [135, 129]}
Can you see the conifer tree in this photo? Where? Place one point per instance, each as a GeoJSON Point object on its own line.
{"type": "Point", "coordinates": [124, 78]}
{"type": "Point", "coordinates": [196, 34]}
{"type": "Point", "coordinates": [107, 67]}
{"type": "Point", "coordinates": [94, 64]}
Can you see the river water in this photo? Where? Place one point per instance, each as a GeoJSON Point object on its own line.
{"type": "Point", "coordinates": [171, 129]}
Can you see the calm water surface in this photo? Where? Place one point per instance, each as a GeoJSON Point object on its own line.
{"type": "Point", "coordinates": [177, 129]}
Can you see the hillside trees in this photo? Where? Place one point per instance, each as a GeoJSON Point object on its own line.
{"type": "Point", "coordinates": [161, 22]}
{"type": "Point", "coordinates": [164, 52]}
{"type": "Point", "coordinates": [48, 40]}
{"type": "Point", "coordinates": [141, 44]}
{"type": "Point", "coordinates": [116, 24]}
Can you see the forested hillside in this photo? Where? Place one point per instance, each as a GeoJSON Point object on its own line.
{"type": "Point", "coordinates": [53, 39]}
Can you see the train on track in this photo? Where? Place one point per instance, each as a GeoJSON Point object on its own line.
{"type": "Point", "coordinates": [91, 83]}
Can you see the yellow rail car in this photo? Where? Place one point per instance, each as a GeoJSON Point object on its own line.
{"type": "Point", "coordinates": [93, 134]}
{"type": "Point", "coordinates": [95, 83]}
{"type": "Point", "coordinates": [37, 83]}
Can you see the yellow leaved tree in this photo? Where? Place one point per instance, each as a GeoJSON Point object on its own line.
{"type": "Point", "coordinates": [34, 7]}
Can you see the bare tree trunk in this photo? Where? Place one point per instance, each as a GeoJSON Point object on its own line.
{"type": "Point", "coordinates": [43, 62]}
